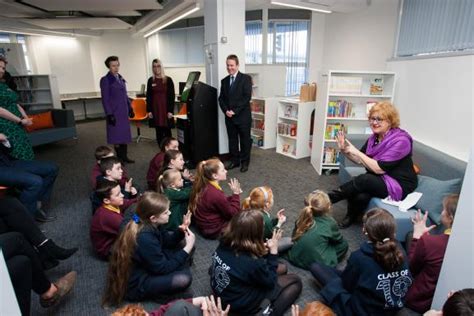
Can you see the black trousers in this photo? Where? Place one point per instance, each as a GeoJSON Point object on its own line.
{"type": "Point", "coordinates": [162, 133]}
{"type": "Point", "coordinates": [14, 217]}
{"type": "Point", "coordinates": [239, 132]}
{"type": "Point", "coordinates": [359, 191]}
{"type": "Point", "coordinates": [24, 267]}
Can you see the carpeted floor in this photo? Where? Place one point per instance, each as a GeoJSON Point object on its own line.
{"type": "Point", "coordinates": [290, 180]}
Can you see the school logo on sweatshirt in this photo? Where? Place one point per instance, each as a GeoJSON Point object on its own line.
{"type": "Point", "coordinates": [395, 286]}
{"type": "Point", "coordinates": [219, 279]}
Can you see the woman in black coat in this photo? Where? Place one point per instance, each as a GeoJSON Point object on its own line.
{"type": "Point", "coordinates": [160, 101]}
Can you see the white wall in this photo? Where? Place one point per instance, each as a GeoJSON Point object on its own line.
{"type": "Point", "coordinates": [434, 97]}
{"type": "Point", "coordinates": [78, 62]}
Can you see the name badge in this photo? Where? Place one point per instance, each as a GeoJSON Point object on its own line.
{"type": "Point", "coordinates": [153, 84]}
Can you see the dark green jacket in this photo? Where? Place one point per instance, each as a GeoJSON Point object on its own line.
{"type": "Point", "coordinates": [269, 225]}
{"type": "Point", "coordinates": [321, 243]}
{"type": "Point", "coordinates": [179, 200]}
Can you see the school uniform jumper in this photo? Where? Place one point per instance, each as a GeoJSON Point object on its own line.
{"type": "Point", "coordinates": [153, 170]}
{"type": "Point", "coordinates": [155, 261]}
{"type": "Point", "coordinates": [242, 280]}
{"type": "Point", "coordinates": [179, 200]}
{"type": "Point", "coordinates": [269, 225]}
{"type": "Point", "coordinates": [365, 288]}
{"type": "Point", "coordinates": [322, 243]}
{"type": "Point", "coordinates": [426, 257]}
{"type": "Point", "coordinates": [214, 210]}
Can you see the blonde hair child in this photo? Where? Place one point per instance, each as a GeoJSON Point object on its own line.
{"type": "Point", "coordinates": [146, 262]}
{"type": "Point", "coordinates": [316, 235]}
{"type": "Point", "coordinates": [170, 184]}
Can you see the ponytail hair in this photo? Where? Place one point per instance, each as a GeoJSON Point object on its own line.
{"type": "Point", "coordinates": [167, 179]}
{"type": "Point", "coordinates": [317, 204]}
{"type": "Point", "coordinates": [380, 227]}
{"type": "Point", "coordinates": [257, 199]}
{"type": "Point", "coordinates": [169, 155]}
{"type": "Point", "coordinates": [150, 204]}
{"type": "Point", "coordinates": [204, 173]}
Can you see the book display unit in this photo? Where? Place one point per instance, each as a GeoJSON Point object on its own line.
{"type": "Point", "coordinates": [264, 119]}
{"type": "Point", "coordinates": [345, 101]}
{"type": "Point", "coordinates": [293, 128]}
{"type": "Point", "coordinates": [37, 92]}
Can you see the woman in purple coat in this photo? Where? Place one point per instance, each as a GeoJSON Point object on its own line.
{"type": "Point", "coordinates": [117, 108]}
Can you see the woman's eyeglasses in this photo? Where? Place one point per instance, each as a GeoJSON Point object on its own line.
{"type": "Point", "coordinates": [375, 119]}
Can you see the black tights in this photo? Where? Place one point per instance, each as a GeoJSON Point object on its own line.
{"type": "Point", "coordinates": [25, 269]}
{"type": "Point", "coordinates": [290, 288]}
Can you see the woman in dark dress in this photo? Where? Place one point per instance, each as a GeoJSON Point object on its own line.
{"type": "Point", "coordinates": [160, 101]}
{"type": "Point", "coordinates": [387, 157]}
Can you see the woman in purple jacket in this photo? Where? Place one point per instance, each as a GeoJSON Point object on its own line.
{"type": "Point", "coordinates": [117, 108]}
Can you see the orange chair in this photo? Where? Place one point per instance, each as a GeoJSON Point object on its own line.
{"type": "Point", "coordinates": [139, 107]}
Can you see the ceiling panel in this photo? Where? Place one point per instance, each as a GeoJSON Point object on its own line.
{"type": "Point", "coordinates": [16, 10]}
{"type": "Point", "coordinates": [113, 13]}
{"type": "Point", "coordinates": [80, 23]}
{"type": "Point", "coordinates": [95, 5]}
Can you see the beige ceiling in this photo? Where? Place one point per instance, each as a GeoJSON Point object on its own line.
{"type": "Point", "coordinates": [95, 5]}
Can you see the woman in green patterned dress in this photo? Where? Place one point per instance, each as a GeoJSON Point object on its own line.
{"type": "Point", "coordinates": [13, 119]}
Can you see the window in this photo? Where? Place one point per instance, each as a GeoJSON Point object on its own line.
{"type": "Point", "coordinates": [288, 44]}
{"type": "Point", "coordinates": [20, 39]}
{"type": "Point", "coordinates": [253, 42]}
{"type": "Point", "coordinates": [428, 27]}
{"type": "Point", "coordinates": [4, 38]}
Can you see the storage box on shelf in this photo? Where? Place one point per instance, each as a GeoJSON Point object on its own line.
{"type": "Point", "coordinates": [264, 119]}
{"type": "Point", "coordinates": [37, 92]}
{"type": "Point", "coordinates": [346, 97]}
{"type": "Point", "coordinates": [293, 129]}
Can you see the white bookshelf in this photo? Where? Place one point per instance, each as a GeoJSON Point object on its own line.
{"type": "Point", "coordinates": [38, 92]}
{"type": "Point", "coordinates": [342, 104]}
{"type": "Point", "coordinates": [293, 128]}
{"type": "Point", "coordinates": [264, 120]}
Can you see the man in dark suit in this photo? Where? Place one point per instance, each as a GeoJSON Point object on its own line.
{"type": "Point", "coordinates": [234, 100]}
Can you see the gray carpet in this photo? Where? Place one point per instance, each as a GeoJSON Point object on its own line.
{"type": "Point", "coordinates": [290, 180]}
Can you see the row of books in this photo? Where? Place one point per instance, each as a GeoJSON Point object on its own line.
{"type": "Point", "coordinates": [256, 106]}
{"type": "Point", "coordinates": [258, 124]}
{"type": "Point", "coordinates": [333, 128]}
{"type": "Point", "coordinates": [257, 140]}
{"type": "Point", "coordinates": [330, 155]}
{"type": "Point", "coordinates": [26, 97]}
{"type": "Point", "coordinates": [353, 85]}
{"type": "Point", "coordinates": [287, 129]}
{"type": "Point", "coordinates": [340, 108]}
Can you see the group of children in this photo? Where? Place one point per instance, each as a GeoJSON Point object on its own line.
{"type": "Point", "coordinates": [150, 254]}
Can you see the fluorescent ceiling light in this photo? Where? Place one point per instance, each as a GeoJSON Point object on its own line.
{"type": "Point", "coordinates": [298, 6]}
{"type": "Point", "coordinates": [179, 17]}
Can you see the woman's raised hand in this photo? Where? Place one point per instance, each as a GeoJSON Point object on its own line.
{"type": "Point", "coordinates": [234, 185]}
{"type": "Point", "coordinates": [341, 141]}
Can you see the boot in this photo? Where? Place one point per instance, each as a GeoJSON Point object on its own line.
{"type": "Point", "coordinates": [125, 159]}
{"type": "Point", "coordinates": [351, 215]}
{"type": "Point", "coordinates": [50, 250]}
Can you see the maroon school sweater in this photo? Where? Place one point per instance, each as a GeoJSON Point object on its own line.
{"type": "Point", "coordinates": [154, 169]}
{"type": "Point", "coordinates": [214, 210]}
{"type": "Point", "coordinates": [426, 256]}
{"type": "Point", "coordinates": [105, 227]}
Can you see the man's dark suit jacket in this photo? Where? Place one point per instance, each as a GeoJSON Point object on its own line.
{"type": "Point", "coordinates": [237, 98]}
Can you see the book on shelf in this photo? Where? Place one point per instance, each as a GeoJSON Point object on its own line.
{"type": "Point", "coordinates": [288, 148]}
{"type": "Point", "coordinates": [376, 86]}
{"type": "Point", "coordinates": [369, 106]}
{"type": "Point", "coordinates": [257, 140]}
{"type": "Point", "coordinates": [258, 124]}
{"type": "Point", "coordinates": [345, 85]}
{"type": "Point", "coordinates": [287, 129]}
{"type": "Point", "coordinates": [331, 155]}
{"type": "Point", "coordinates": [257, 106]}
{"type": "Point", "coordinates": [340, 108]}
{"type": "Point", "coordinates": [332, 129]}
{"type": "Point", "coordinates": [291, 111]}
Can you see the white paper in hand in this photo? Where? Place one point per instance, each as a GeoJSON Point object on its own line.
{"type": "Point", "coordinates": [407, 203]}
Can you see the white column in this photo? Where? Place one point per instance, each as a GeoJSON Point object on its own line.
{"type": "Point", "coordinates": [224, 34]}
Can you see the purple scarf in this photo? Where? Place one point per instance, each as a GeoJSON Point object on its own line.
{"type": "Point", "coordinates": [396, 145]}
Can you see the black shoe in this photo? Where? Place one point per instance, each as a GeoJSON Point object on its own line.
{"type": "Point", "coordinates": [41, 216]}
{"type": "Point", "coordinates": [346, 222]}
{"type": "Point", "coordinates": [244, 168]}
{"type": "Point", "coordinates": [54, 251]}
{"type": "Point", "coordinates": [232, 165]}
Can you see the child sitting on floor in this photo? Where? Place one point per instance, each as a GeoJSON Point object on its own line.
{"type": "Point", "coordinates": [376, 278]}
{"type": "Point", "coordinates": [111, 168]}
{"type": "Point", "coordinates": [174, 160]}
{"type": "Point", "coordinates": [244, 271]}
{"type": "Point", "coordinates": [147, 262]}
{"type": "Point", "coordinates": [211, 208]}
{"type": "Point", "coordinates": [108, 217]}
{"type": "Point", "coordinates": [316, 235]}
{"type": "Point", "coordinates": [261, 198]}
{"type": "Point", "coordinates": [157, 162]}
{"type": "Point", "coordinates": [171, 185]}
{"type": "Point", "coordinates": [102, 152]}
